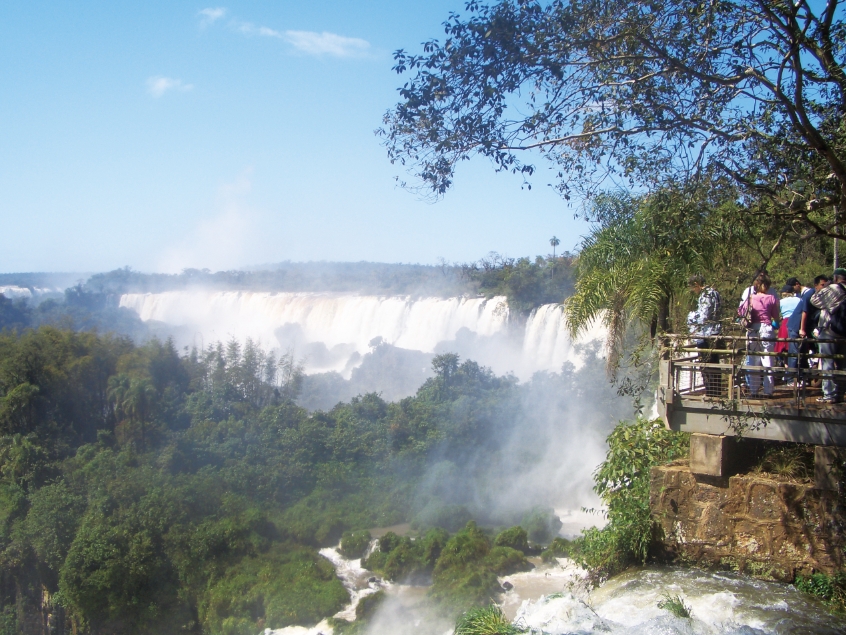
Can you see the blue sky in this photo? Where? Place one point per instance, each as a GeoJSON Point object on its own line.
{"type": "Point", "coordinates": [165, 135]}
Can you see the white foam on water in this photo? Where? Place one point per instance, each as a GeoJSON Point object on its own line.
{"type": "Point", "coordinates": [356, 579]}
{"type": "Point", "coordinates": [561, 576]}
{"type": "Point", "coordinates": [721, 604]}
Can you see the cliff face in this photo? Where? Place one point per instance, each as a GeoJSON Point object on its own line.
{"type": "Point", "coordinates": [760, 526]}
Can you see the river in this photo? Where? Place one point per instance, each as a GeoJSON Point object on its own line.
{"type": "Point", "coordinates": [554, 599]}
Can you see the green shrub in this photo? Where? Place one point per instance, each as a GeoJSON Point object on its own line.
{"type": "Point", "coordinates": [675, 605]}
{"type": "Point", "coordinates": [8, 621]}
{"type": "Point", "coordinates": [466, 573]}
{"type": "Point", "coordinates": [789, 461]}
{"type": "Point", "coordinates": [541, 524]}
{"type": "Point", "coordinates": [505, 560]}
{"type": "Point", "coordinates": [622, 481]}
{"type": "Point", "coordinates": [287, 585]}
{"type": "Point", "coordinates": [488, 620]}
{"type": "Point", "coordinates": [830, 589]}
{"type": "Point", "coordinates": [368, 605]}
{"type": "Point", "coordinates": [355, 543]}
{"type": "Point", "coordinates": [558, 548]}
{"type": "Point", "coordinates": [515, 537]}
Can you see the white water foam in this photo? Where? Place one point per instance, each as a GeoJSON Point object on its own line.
{"type": "Point", "coordinates": [359, 583]}
{"type": "Point", "coordinates": [721, 604]}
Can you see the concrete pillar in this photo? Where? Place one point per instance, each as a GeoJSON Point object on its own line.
{"type": "Point", "coordinates": [711, 454]}
{"type": "Point", "coordinates": [827, 462]}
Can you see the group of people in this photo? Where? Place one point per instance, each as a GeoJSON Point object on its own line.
{"type": "Point", "coordinates": [798, 322]}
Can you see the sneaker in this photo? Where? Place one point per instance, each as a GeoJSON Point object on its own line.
{"type": "Point", "coordinates": [827, 400]}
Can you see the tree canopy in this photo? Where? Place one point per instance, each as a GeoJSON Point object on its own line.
{"type": "Point", "coordinates": [644, 93]}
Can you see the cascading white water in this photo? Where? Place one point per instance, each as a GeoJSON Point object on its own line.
{"type": "Point", "coordinates": [14, 292]}
{"type": "Point", "coordinates": [347, 324]}
{"type": "Point", "coordinates": [556, 599]}
{"type": "Point", "coordinates": [720, 604]}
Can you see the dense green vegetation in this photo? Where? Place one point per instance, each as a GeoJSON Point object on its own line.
{"type": "Point", "coordinates": [622, 481]}
{"type": "Point", "coordinates": [462, 569]}
{"type": "Point", "coordinates": [147, 491]}
{"type": "Point", "coordinates": [527, 284]}
{"type": "Point", "coordinates": [829, 588]}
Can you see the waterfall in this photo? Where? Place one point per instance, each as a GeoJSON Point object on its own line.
{"type": "Point", "coordinates": [347, 325]}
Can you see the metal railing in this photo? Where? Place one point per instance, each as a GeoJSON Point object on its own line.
{"type": "Point", "coordinates": [720, 370]}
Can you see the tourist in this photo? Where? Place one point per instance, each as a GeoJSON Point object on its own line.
{"type": "Point", "coordinates": [811, 313]}
{"type": "Point", "coordinates": [765, 314]}
{"type": "Point", "coordinates": [828, 300]}
{"type": "Point", "coordinates": [704, 325]}
{"type": "Point", "coordinates": [789, 301]}
{"type": "Point", "coordinates": [798, 288]}
{"type": "Point", "coordinates": [788, 305]}
{"type": "Point", "coordinates": [746, 291]}
{"type": "Point", "coordinates": [797, 324]}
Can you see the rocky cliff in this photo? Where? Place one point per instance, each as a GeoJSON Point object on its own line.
{"type": "Point", "coordinates": [751, 523]}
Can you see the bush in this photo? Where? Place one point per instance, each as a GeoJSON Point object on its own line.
{"type": "Point", "coordinates": [515, 537]}
{"type": "Point", "coordinates": [285, 586]}
{"type": "Point", "coordinates": [622, 481]}
{"type": "Point", "coordinates": [541, 524]}
{"type": "Point", "coordinates": [355, 543]}
{"type": "Point", "coordinates": [675, 605]}
{"type": "Point", "coordinates": [558, 548]}
{"type": "Point", "coordinates": [488, 620]}
{"type": "Point", "coordinates": [830, 589]}
{"type": "Point", "coordinates": [466, 573]}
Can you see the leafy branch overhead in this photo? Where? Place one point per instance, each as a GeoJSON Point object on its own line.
{"type": "Point", "coordinates": [643, 93]}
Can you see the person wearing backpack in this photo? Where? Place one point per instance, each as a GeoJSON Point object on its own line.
{"type": "Point", "coordinates": [831, 301]}
{"type": "Point", "coordinates": [762, 315]}
{"type": "Point", "coordinates": [803, 321]}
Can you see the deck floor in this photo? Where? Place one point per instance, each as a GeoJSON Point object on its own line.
{"type": "Point", "coordinates": [784, 396]}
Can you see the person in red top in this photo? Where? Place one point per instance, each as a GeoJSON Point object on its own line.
{"type": "Point", "coordinates": [766, 315]}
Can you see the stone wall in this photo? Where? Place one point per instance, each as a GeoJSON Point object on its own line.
{"type": "Point", "coordinates": [751, 523]}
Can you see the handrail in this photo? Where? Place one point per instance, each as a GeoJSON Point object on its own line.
{"type": "Point", "coordinates": [690, 373]}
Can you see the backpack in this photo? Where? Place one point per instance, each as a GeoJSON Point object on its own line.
{"type": "Point", "coordinates": [837, 322]}
{"type": "Point", "coordinates": [744, 311]}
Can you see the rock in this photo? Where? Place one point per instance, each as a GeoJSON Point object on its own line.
{"type": "Point", "coordinates": [507, 585]}
{"type": "Point", "coordinates": [764, 527]}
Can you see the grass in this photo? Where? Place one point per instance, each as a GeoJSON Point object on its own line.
{"type": "Point", "coordinates": [488, 620]}
{"type": "Point", "coordinates": [675, 605]}
{"type": "Point", "coordinates": [793, 461]}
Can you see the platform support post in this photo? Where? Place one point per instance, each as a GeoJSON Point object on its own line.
{"type": "Point", "coordinates": [827, 467]}
{"type": "Point", "coordinates": [712, 455]}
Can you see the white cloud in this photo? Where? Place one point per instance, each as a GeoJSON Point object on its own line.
{"type": "Point", "coordinates": [211, 15]}
{"type": "Point", "coordinates": [248, 28]}
{"type": "Point", "coordinates": [326, 43]}
{"type": "Point", "coordinates": [263, 30]}
{"type": "Point", "coordinates": [159, 85]}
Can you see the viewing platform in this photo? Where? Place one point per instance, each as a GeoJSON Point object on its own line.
{"type": "Point", "coordinates": [726, 409]}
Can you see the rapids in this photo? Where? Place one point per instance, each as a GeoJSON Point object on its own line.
{"type": "Point", "coordinates": [555, 599]}
{"type": "Point", "coordinates": [347, 326]}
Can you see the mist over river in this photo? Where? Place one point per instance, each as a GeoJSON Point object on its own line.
{"type": "Point", "coordinates": [332, 332]}
{"type": "Point", "coordinates": [560, 426]}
